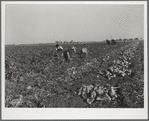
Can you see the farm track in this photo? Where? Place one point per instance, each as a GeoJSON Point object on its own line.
{"type": "Point", "coordinates": [39, 77]}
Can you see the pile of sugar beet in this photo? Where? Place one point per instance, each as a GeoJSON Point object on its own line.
{"type": "Point", "coordinates": [114, 80]}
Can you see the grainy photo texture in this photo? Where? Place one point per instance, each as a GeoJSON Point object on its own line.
{"type": "Point", "coordinates": [74, 56]}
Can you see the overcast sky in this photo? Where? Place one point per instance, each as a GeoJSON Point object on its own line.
{"type": "Point", "coordinates": [50, 23]}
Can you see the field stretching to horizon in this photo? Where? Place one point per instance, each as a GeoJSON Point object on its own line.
{"type": "Point", "coordinates": [111, 76]}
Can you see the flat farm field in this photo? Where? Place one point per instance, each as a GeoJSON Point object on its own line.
{"type": "Point", "coordinates": [109, 77]}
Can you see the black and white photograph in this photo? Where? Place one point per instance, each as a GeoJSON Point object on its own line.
{"type": "Point", "coordinates": [85, 59]}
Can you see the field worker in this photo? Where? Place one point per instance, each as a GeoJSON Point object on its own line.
{"type": "Point", "coordinates": [83, 51]}
{"type": "Point", "coordinates": [73, 48]}
{"type": "Point", "coordinates": [68, 53]}
{"type": "Point", "coordinates": [59, 48]}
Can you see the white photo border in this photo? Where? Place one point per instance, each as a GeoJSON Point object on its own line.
{"type": "Point", "coordinates": [74, 113]}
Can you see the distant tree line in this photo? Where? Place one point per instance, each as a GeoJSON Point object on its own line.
{"type": "Point", "coordinates": [113, 41]}
{"type": "Point", "coordinates": [71, 42]}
